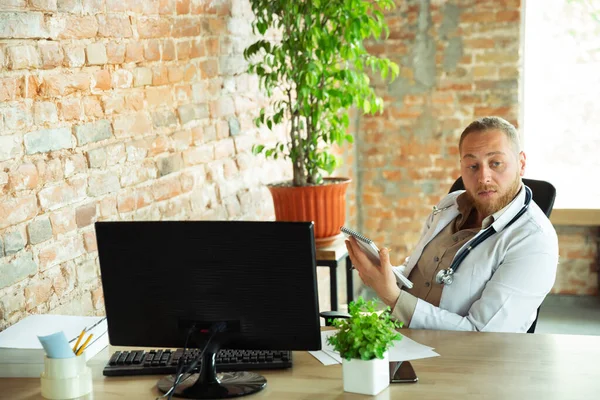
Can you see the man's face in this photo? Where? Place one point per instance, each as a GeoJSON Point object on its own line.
{"type": "Point", "coordinates": [491, 170]}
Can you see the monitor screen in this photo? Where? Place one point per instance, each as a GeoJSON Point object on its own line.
{"type": "Point", "coordinates": [161, 277]}
{"type": "Point", "coordinates": [158, 277]}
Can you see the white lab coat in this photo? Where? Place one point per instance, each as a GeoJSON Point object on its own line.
{"type": "Point", "coordinates": [501, 283]}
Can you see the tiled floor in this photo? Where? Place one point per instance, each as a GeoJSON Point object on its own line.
{"type": "Point", "coordinates": [575, 315]}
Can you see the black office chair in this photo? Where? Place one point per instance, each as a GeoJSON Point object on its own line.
{"type": "Point", "coordinates": [544, 194]}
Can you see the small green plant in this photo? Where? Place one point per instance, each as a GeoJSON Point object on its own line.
{"type": "Point", "coordinates": [367, 334]}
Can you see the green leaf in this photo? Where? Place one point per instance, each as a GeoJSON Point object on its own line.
{"type": "Point", "coordinates": [366, 106]}
{"type": "Point", "coordinates": [257, 148]}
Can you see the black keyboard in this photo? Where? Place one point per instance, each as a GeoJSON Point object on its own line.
{"type": "Point", "coordinates": [164, 362]}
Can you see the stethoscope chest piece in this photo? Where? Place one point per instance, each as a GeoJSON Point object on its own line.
{"type": "Point", "coordinates": [445, 276]}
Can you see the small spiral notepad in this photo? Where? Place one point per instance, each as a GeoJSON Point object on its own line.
{"type": "Point", "coordinates": [357, 235]}
{"type": "Point", "coordinates": [371, 250]}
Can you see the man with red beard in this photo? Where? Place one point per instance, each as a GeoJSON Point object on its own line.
{"type": "Point", "coordinates": [487, 256]}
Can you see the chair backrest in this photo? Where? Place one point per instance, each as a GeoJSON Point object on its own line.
{"type": "Point", "coordinates": [543, 193]}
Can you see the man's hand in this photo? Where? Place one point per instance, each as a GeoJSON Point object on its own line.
{"type": "Point", "coordinates": [380, 278]}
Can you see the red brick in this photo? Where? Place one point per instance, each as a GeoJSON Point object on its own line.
{"type": "Point", "coordinates": [216, 26]}
{"type": "Point", "coordinates": [209, 69]}
{"type": "Point", "coordinates": [183, 6]}
{"type": "Point", "coordinates": [24, 177]}
{"type": "Point", "coordinates": [85, 215]}
{"type": "Point", "coordinates": [160, 75]}
{"type": "Point", "coordinates": [113, 103]}
{"type": "Point", "coordinates": [30, 87]}
{"type": "Point", "coordinates": [498, 111]}
{"type": "Point", "coordinates": [478, 17]}
{"type": "Point", "coordinates": [133, 125]}
{"type": "Point", "coordinates": [222, 129]}
{"type": "Point", "coordinates": [114, 25]}
{"type": "Point", "coordinates": [67, 248]}
{"type": "Point", "coordinates": [76, 27]}
{"type": "Point", "coordinates": [453, 86]}
{"type": "Point", "coordinates": [159, 96]}
{"type": "Point", "coordinates": [122, 79]}
{"type": "Point", "coordinates": [152, 50]}
{"type": "Point", "coordinates": [115, 52]}
{"type": "Point", "coordinates": [10, 88]}
{"type": "Point", "coordinates": [98, 298]}
{"type": "Point", "coordinates": [183, 50]}
{"type": "Point", "coordinates": [485, 72]}
{"type": "Point", "coordinates": [89, 241]}
{"type": "Point", "coordinates": [65, 84]}
{"type": "Point", "coordinates": [224, 106]}
{"type": "Point", "coordinates": [95, 54]}
{"type": "Point", "coordinates": [143, 197]}
{"type": "Point", "coordinates": [102, 79]}
{"type": "Point", "coordinates": [168, 50]}
{"type": "Point", "coordinates": [134, 52]}
{"type": "Point", "coordinates": [92, 107]}
{"type": "Point", "coordinates": [186, 26]}
{"type": "Point", "coordinates": [70, 109]}
{"type": "Point", "coordinates": [153, 27]}
{"type": "Point", "coordinates": [212, 47]}
{"type": "Point", "coordinates": [166, 7]}
{"type": "Point", "coordinates": [190, 73]}
{"type": "Point", "coordinates": [63, 221]}
{"type": "Point", "coordinates": [23, 57]}
{"type": "Point", "coordinates": [159, 145]}
{"type": "Point", "coordinates": [74, 55]}
{"type": "Point", "coordinates": [37, 293]}
{"type": "Point", "coordinates": [51, 53]}
{"type": "Point", "coordinates": [198, 48]}
{"type": "Point", "coordinates": [479, 43]}
{"type": "Point", "coordinates": [43, 5]}
{"type": "Point", "coordinates": [134, 101]}
{"type": "Point", "coordinates": [175, 74]}
{"type": "Point", "coordinates": [508, 16]}
{"type": "Point", "coordinates": [166, 188]}
{"type": "Point", "coordinates": [15, 210]}
{"type": "Point", "coordinates": [126, 202]}
{"type": "Point", "coordinates": [108, 207]}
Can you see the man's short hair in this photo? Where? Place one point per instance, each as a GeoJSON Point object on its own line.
{"type": "Point", "coordinates": [491, 123]}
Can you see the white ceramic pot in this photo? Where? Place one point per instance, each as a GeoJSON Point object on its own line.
{"type": "Point", "coordinates": [366, 377]}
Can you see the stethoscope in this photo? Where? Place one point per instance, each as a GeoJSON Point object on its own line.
{"type": "Point", "coordinates": [445, 276]}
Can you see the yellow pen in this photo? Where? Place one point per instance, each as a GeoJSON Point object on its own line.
{"type": "Point", "coordinates": [82, 348]}
{"type": "Point", "coordinates": [78, 340]}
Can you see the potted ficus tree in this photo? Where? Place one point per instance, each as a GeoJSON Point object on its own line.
{"type": "Point", "coordinates": [313, 66]}
{"type": "Point", "coordinates": [363, 341]}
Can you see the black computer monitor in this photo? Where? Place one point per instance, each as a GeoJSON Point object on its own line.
{"type": "Point", "coordinates": [257, 280]}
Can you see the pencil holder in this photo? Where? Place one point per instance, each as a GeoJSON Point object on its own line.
{"type": "Point", "coordinates": [66, 378]}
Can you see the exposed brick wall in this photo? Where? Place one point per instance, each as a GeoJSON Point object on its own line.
{"type": "Point", "coordinates": [578, 262]}
{"type": "Point", "coordinates": [118, 110]}
{"type": "Point", "coordinates": [459, 60]}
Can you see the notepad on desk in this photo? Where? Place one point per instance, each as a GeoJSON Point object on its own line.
{"type": "Point", "coordinates": [22, 355]}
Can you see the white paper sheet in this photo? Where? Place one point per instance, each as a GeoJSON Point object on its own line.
{"type": "Point", "coordinates": [324, 357]}
{"type": "Point", "coordinates": [405, 349]}
{"type": "Point", "coordinates": [23, 334]}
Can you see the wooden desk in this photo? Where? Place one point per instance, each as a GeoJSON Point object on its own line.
{"type": "Point", "coordinates": [330, 256]}
{"type": "Point", "coordinates": [472, 366]}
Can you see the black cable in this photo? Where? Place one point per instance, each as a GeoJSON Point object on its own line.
{"type": "Point", "coordinates": [216, 328]}
{"type": "Point", "coordinates": [178, 373]}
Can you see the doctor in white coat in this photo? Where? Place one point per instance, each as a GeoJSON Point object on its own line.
{"type": "Point", "coordinates": [487, 256]}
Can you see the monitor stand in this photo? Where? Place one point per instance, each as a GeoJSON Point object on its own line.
{"type": "Point", "coordinates": [206, 384]}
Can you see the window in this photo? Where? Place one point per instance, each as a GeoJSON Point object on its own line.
{"type": "Point", "coordinates": [561, 116]}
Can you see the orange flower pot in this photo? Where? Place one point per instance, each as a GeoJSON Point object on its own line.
{"type": "Point", "coordinates": [325, 205]}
